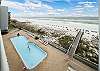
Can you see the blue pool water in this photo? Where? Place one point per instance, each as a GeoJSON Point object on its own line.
{"type": "Point", "coordinates": [29, 52]}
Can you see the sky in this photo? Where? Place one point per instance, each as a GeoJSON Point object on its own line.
{"type": "Point", "coordinates": [48, 8]}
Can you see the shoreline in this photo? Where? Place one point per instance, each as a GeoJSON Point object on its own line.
{"type": "Point", "coordinates": [61, 23]}
{"type": "Point", "coordinates": [90, 30]}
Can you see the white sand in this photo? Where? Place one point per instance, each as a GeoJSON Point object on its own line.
{"type": "Point", "coordinates": [61, 25]}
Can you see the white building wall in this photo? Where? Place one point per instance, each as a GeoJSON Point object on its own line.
{"type": "Point", "coordinates": [3, 18]}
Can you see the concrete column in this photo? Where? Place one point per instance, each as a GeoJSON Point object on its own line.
{"type": "Point", "coordinates": [4, 18]}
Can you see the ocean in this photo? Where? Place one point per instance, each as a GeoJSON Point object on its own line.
{"type": "Point", "coordinates": [86, 23]}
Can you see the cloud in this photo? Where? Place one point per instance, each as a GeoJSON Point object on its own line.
{"type": "Point", "coordinates": [51, 0]}
{"type": "Point", "coordinates": [60, 10]}
{"type": "Point", "coordinates": [14, 5]}
{"type": "Point", "coordinates": [84, 9]}
{"type": "Point", "coordinates": [86, 2]}
{"type": "Point", "coordinates": [57, 0]}
{"type": "Point", "coordinates": [27, 4]}
{"type": "Point", "coordinates": [88, 6]}
{"type": "Point", "coordinates": [29, 8]}
{"type": "Point", "coordinates": [37, 8]}
{"type": "Point", "coordinates": [31, 4]}
{"type": "Point", "coordinates": [56, 12]}
{"type": "Point", "coordinates": [48, 7]}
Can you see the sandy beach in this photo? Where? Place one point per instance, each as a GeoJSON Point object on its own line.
{"type": "Point", "coordinates": [63, 25]}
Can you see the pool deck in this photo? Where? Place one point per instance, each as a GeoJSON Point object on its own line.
{"type": "Point", "coordinates": [54, 61]}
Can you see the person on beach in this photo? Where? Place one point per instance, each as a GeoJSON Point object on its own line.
{"type": "Point", "coordinates": [18, 34]}
{"type": "Point", "coordinates": [28, 48]}
{"type": "Point", "coordinates": [24, 68]}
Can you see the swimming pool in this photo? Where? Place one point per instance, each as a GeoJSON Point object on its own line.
{"type": "Point", "coordinates": [30, 53]}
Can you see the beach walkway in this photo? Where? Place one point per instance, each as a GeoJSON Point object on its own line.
{"type": "Point", "coordinates": [75, 43]}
